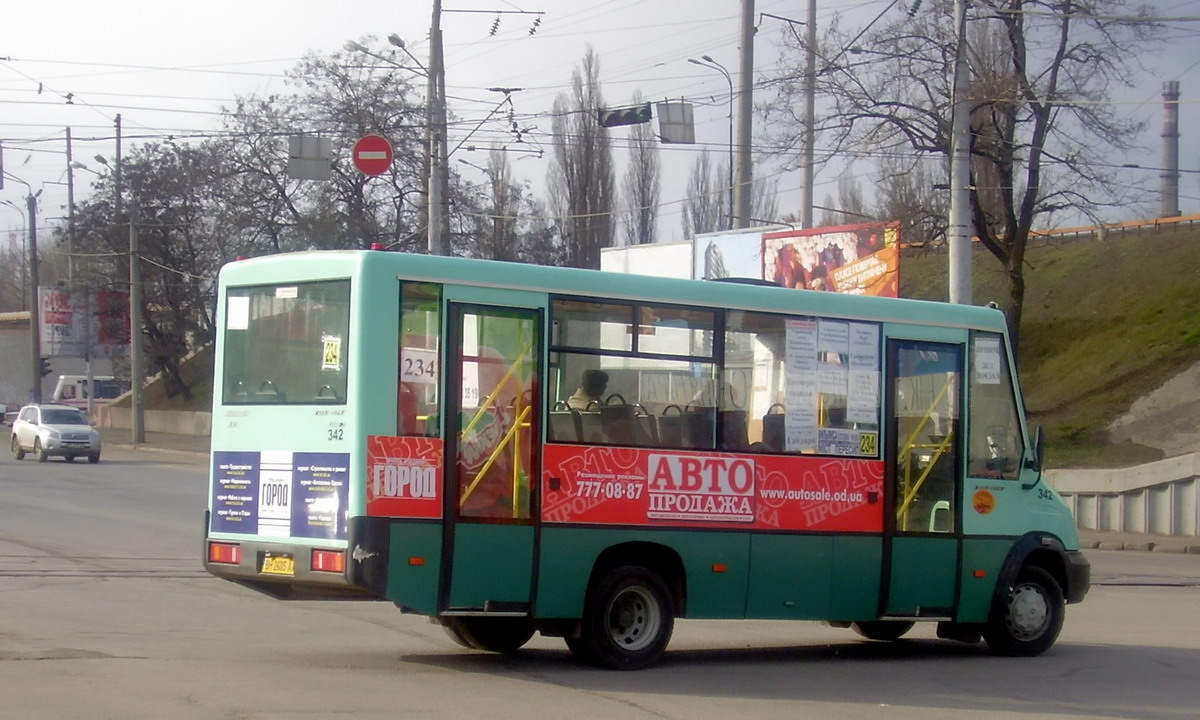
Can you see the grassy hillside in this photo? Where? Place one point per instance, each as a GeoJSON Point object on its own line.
{"type": "Point", "coordinates": [1106, 322]}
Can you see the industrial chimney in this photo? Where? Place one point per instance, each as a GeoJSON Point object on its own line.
{"type": "Point", "coordinates": [1170, 150]}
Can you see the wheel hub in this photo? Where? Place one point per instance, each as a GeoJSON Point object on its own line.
{"type": "Point", "coordinates": [1028, 612]}
{"type": "Point", "coordinates": [633, 619]}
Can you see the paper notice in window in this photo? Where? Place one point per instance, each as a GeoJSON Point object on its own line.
{"type": "Point", "coordinates": [800, 425]}
{"type": "Point", "coordinates": [834, 337]}
{"type": "Point", "coordinates": [864, 346]}
{"type": "Point", "coordinates": [987, 361]}
{"type": "Point", "coordinates": [238, 313]}
{"type": "Point", "coordinates": [862, 403]}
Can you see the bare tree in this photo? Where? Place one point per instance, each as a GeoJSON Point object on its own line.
{"type": "Point", "coordinates": [1043, 125]}
{"type": "Point", "coordinates": [498, 241]}
{"type": "Point", "coordinates": [704, 202]}
{"type": "Point", "coordinates": [908, 193]}
{"type": "Point", "coordinates": [642, 183]}
{"type": "Point", "coordinates": [581, 180]}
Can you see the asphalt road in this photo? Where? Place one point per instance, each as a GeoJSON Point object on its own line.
{"type": "Point", "coordinates": [105, 612]}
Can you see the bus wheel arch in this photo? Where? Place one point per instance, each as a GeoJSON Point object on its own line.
{"type": "Point", "coordinates": [659, 559]}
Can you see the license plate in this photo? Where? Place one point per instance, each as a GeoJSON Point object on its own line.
{"type": "Point", "coordinates": [278, 564]}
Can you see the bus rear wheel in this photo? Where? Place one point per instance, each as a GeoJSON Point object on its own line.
{"type": "Point", "coordinates": [501, 635]}
{"type": "Point", "coordinates": [628, 620]}
{"type": "Point", "coordinates": [888, 630]}
{"type": "Point", "coordinates": [1028, 619]}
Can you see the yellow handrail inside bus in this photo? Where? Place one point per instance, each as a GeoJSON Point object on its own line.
{"type": "Point", "coordinates": [910, 489]}
{"type": "Point", "coordinates": [491, 398]}
{"type": "Point", "coordinates": [911, 492]}
{"type": "Point", "coordinates": [508, 437]}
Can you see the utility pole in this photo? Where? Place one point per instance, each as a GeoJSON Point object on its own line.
{"type": "Point", "coordinates": [117, 174]}
{"type": "Point", "coordinates": [35, 336]}
{"type": "Point", "coordinates": [439, 180]}
{"type": "Point", "coordinates": [810, 113]}
{"type": "Point", "coordinates": [959, 233]}
{"type": "Point", "coordinates": [71, 218]}
{"type": "Point", "coordinates": [742, 189]}
{"type": "Point", "coordinates": [135, 330]}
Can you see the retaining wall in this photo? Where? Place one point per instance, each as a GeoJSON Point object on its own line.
{"type": "Point", "coordinates": [1158, 498]}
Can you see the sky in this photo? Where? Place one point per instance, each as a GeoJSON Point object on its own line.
{"type": "Point", "coordinates": [168, 68]}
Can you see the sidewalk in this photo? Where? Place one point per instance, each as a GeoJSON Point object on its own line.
{"type": "Point", "coordinates": [1099, 540]}
{"type": "Point", "coordinates": [198, 446]}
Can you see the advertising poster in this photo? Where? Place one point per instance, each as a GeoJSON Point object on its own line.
{"type": "Point", "coordinates": [404, 476]}
{"type": "Point", "coordinates": [235, 492]}
{"type": "Point", "coordinates": [853, 259]}
{"type": "Point", "coordinates": [653, 487]}
{"type": "Point", "coordinates": [75, 323]}
{"type": "Point", "coordinates": [321, 493]}
{"type": "Point", "coordinates": [281, 493]}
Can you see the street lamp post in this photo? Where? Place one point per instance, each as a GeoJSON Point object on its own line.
{"type": "Point", "coordinates": [35, 339]}
{"type": "Point", "coordinates": [708, 62]}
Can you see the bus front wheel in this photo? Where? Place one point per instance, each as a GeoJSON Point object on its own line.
{"type": "Point", "coordinates": [628, 620]}
{"type": "Point", "coordinates": [493, 634]}
{"type": "Point", "coordinates": [1028, 619]}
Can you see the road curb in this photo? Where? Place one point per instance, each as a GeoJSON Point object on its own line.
{"type": "Point", "coordinates": [153, 449]}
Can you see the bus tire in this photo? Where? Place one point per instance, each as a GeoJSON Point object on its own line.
{"type": "Point", "coordinates": [1027, 620]}
{"type": "Point", "coordinates": [18, 451]}
{"type": "Point", "coordinates": [628, 620]}
{"type": "Point", "coordinates": [493, 634]}
{"type": "Point", "coordinates": [887, 630]}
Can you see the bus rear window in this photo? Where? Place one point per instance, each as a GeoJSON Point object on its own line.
{"type": "Point", "coordinates": [287, 344]}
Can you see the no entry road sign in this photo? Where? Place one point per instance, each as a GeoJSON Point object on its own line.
{"type": "Point", "coordinates": [373, 154]}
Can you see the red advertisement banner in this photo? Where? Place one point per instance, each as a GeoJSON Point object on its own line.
{"type": "Point", "coordinates": [404, 476]}
{"type": "Point", "coordinates": [653, 487]}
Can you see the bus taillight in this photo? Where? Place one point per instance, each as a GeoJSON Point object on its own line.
{"type": "Point", "coordinates": [329, 561]}
{"type": "Point", "coordinates": [224, 553]}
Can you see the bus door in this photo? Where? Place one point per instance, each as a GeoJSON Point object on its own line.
{"type": "Point", "coordinates": [923, 472]}
{"type": "Point", "coordinates": [492, 401]}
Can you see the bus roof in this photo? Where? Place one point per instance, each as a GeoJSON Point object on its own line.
{"type": "Point", "coordinates": [328, 264]}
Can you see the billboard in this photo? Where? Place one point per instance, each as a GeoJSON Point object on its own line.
{"type": "Point", "coordinates": [73, 320]}
{"type": "Point", "coordinates": [854, 259]}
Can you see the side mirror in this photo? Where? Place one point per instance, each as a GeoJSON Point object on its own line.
{"type": "Point", "coordinates": [1035, 461]}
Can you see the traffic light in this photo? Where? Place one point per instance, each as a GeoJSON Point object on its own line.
{"type": "Point", "coordinates": [635, 115]}
{"type": "Point", "coordinates": [44, 366]}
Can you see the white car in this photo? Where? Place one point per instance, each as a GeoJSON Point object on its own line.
{"type": "Point", "coordinates": [46, 430]}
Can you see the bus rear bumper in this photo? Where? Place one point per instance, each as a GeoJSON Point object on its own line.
{"type": "Point", "coordinates": [281, 570]}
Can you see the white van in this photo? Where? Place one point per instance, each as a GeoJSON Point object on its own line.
{"type": "Point", "coordinates": [73, 390]}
